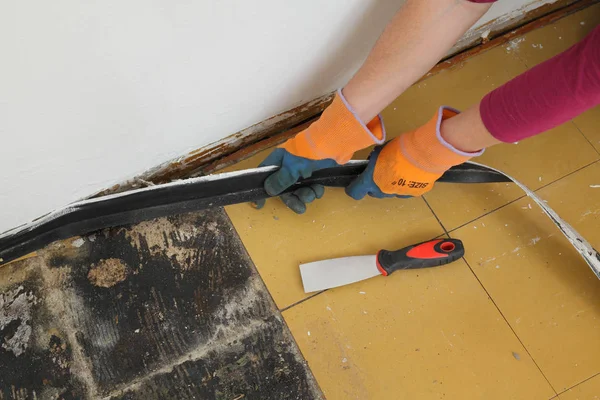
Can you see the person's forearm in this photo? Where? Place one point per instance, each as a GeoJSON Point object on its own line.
{"type": "Point", "coordinates": [417, 37]}
{"type": "Point", "coordinates": [541, 98]}
{"type": "Point", "coordinates": [467, 132]}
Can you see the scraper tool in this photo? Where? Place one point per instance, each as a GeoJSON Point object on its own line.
{"type": "Point", "coordinates": [326, 274]}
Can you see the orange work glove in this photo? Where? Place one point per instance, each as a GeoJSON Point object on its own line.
{"type": "Point", "coordinates": [410, 164]}
{"type": "Point", "coordinates": [328, 142]}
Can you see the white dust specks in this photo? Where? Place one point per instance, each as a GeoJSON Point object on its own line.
{"type": "Point", "coordinates": [497, 267]}
{"type": "Point", "coordinates": [582, 23]}
{"type": "Point", "coordinates": [537, 46]}
{"type": "Point", "coordinates": [540, 179]}
{"type": "Point", "coordinates": [362, 292]}
{"type": "Point", "coordinates": [488, 260]}
{"type": "Point", "coordinates": [308, 333]}
{"type": "Point", "coordinates": [516, 249]}
{"type": "Point", "coordinates": [77, 242]}
{"type": "Point", "coordinates": [535, 240]}
{"type": "Point", "coordinates": [514, 44]}
{"type": "Point", "coordinates": [344, 360]}
{"type": "Point", "coordinates": [595, 186]}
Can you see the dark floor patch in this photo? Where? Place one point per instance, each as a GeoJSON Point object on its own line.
{"type": "Point", "coordinates": [170, 308]}
{"type": "Point", "coordinates": [261, 366]}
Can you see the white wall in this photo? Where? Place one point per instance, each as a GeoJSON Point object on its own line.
{"type": "Point", "coordinates": [95, 92]}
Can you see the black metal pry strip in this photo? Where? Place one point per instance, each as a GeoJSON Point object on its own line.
{"type": "Point", "coordinates": [185, 196]}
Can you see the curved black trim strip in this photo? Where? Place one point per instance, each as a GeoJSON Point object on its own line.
{"type": "Point", "coordinates": [181, 197]}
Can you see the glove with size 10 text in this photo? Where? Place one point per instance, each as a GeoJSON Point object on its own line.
{"type": "Point", "coordinates": [409, 165]}
{"type": "Point", "coordinates": [328, 142]}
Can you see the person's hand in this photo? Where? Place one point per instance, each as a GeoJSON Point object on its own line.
{"type": "Point", "coordinates": [409, 165]}
{"type": "Point", "coordinates": [328, 142]}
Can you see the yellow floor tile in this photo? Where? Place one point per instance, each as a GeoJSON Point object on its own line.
{"type": "Point", "coordinates": [542, 44]}
{"type": "Point", "coordinates": [539, 282]}
{"type": "Point", "coordinates": [278, 240]}
{"type": "Point", "coordinates": [421, 334]}
{"type": "Point", "coordinates": [588, 390]}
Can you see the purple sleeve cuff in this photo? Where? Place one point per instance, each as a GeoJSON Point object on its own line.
{"type": "Point", "coordinates": [376, 140]}
{"type": "Point", "coordinates": [444, 142]}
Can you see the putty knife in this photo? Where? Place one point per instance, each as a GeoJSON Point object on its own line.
{"type": "Point", "coordinates": [326, 274]}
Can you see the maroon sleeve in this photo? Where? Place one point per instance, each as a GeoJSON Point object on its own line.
{"type": "Point", "coordinates": [547, 95]}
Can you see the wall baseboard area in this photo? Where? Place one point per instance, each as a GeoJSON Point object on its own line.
{"type": "Point", "coordinates": [279, 128]}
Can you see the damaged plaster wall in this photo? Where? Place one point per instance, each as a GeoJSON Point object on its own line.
{"type": "Point", "coordinates": [94, 93]}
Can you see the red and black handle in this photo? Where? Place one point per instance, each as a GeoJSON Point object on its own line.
{"type": "Point", "coordinates": [423, 255]}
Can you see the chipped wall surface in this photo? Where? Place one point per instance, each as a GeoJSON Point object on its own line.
{"type": "Point", "coordinates": [170, 308]}
{"type": "Point", "coordinates": [94, 93]}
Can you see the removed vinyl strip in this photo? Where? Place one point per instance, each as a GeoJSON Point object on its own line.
{"type": "Point", "coordinates": [184, 196]}
{"type": "Point", "coordinates": [196, 194]}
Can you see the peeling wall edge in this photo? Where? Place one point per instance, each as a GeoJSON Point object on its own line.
{"type": "Point", "coordinates": [278, 128]}
{"type": "Point", "coordinates": [502, 24]}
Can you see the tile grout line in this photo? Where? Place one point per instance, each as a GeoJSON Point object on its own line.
{"type": "Point", "coordinates": [585, 137]}
{"type": "Point", "coordinates": [302, 301]}
{"type": "Point", "coordinates": [434, 214]}
{"type": "Point", "coordinates": [579, 383]}
{"type": "Point", "coordinates": [487, 213]}
{"type": "Point", "coordinates": [569, 174]}
{"type": "Point", "coordinates": [509, 325]}
{"type": "Point", "coordinates": [495, 305]}
{"type": "Point", "coordinates": [524, 195]}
